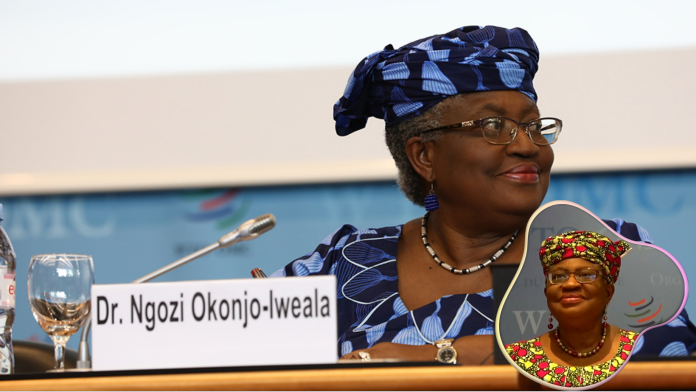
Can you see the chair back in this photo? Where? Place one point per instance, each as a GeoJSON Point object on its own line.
{"type": "Point", "coordinates": [36, 357]}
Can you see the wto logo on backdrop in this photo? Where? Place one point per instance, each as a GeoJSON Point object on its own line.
{"type": "Point", "coordinates": [223, 208]}
{"type": "Point", "coordinates": [644, 313]}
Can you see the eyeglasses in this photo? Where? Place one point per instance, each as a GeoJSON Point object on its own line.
{"type": "Point", "coordinates": [585, 275]}
{"type": "Point", "coordinates": [502, 130]}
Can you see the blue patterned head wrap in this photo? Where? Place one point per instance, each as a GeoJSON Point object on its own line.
{"type": "Point", "coordinates": [397, 85]}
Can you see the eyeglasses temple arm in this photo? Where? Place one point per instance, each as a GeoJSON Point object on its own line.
{"type": "Point", "coordinates": [460, 125]}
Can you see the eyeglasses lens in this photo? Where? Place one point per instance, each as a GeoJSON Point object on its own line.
{"type": "Point", "coordinates": [581, 276]}
{"type": "Point", "coordinates": [500, 130]}
{"type": "Point", "coordinates": [544, 131]}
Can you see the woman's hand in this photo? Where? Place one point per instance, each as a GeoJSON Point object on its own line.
{"type": "Point", "coordinates": [471, 350]}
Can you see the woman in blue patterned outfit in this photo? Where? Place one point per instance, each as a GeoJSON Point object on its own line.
{"type": "Point", "coordinates": [470, 143]}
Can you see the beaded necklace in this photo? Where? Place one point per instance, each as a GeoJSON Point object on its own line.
{"type": "Point", "coordinates": [587, 354]}
{"type": "Point", "coordinates": [424, 235]}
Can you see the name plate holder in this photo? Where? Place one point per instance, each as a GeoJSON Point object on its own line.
{"type": "Point", "coordinates": [219, 323]}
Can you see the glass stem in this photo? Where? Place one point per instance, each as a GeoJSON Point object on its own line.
{"type": "Point", "coordinates": [60, 342]}
{"type": "Point", "coordinates": [60, 356]}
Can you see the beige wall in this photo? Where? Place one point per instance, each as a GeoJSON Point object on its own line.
{"type": "Point", "coordinates": [621, 111]}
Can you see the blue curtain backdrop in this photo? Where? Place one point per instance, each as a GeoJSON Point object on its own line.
{"type": "Point", "coordinates": [132, 234]}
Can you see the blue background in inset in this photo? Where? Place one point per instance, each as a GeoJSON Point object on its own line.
{"type": "Point", "coordinates": [132, 234]}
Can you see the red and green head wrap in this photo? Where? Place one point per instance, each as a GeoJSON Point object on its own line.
{"type": "Point", "coordinates": [587, 245]}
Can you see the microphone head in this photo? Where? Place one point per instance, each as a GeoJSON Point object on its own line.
{"type": "Point", "coordinates": [262, 224]}
{"type": "Point", "coordinates": [249, 230]}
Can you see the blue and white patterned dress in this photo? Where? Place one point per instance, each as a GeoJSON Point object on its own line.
{"type": "Point", "coordinates": [370, 310]}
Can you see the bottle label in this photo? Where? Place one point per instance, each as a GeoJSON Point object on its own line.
{"type": "Point", "coordinates": [7, 290]}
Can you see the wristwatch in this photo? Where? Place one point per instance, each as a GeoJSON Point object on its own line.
{"type": "Point", "coordinates": [445, 352]}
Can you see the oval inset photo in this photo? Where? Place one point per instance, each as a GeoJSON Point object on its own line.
{"type": "Point", "coordinates": [582, 298]}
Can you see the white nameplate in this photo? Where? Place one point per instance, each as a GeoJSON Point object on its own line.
{"type": "Point", "coordinates": [244, 322]}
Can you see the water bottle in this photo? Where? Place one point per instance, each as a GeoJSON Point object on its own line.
{"type": "Point", "coordinates": [7, 301]}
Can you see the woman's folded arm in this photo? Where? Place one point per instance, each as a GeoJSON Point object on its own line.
{"type": "Point", "coordinates": [471, 350]}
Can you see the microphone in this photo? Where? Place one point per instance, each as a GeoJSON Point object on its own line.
{"type": "Point", "coordinates": [246, 231]}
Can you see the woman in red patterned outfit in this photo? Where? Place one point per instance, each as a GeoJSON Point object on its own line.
{"type": "Point", "coordinates": [581, 268]}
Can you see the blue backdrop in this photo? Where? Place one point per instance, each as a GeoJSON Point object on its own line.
{"type": "Point", "coordinates": [132, 234]}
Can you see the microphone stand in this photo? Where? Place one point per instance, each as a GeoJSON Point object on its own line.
{"type": "Point", "coordinates": [246, 231]}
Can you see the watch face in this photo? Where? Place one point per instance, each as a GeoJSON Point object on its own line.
{"type": "Point", "coordinates": [447, 355]}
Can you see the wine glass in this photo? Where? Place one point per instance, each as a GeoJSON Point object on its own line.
{"type": "Point", "coordinates": [60, 289]}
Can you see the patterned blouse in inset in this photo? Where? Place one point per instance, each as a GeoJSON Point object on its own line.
{"type": "Point", "coordinates": [530, 357]}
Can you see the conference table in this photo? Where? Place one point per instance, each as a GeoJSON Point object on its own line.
{"type": "Point", "coordinates": [360, 376]}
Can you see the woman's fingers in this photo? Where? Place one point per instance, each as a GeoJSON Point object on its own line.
{"type": "Point", "coordinates": [360, 354]}
{"type": "Point", "coordinates": [353, 355]}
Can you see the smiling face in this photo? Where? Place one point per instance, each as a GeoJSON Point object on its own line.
{"type": "Point", "coordinates": [574, 300]}
{"type": "Point", "coordinates": [470, 173]}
